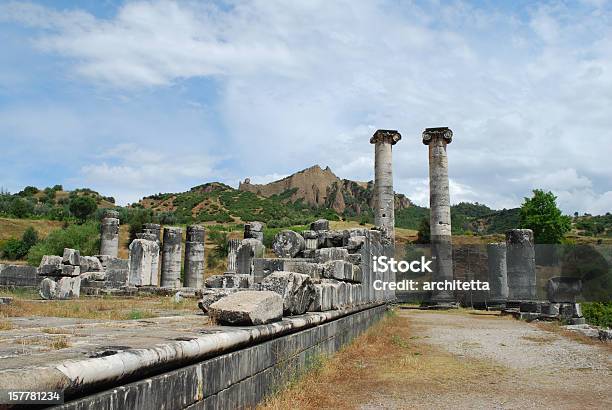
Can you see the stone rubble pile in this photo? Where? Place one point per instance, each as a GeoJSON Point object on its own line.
{"type": "Point", "coordinates": [317, 270]}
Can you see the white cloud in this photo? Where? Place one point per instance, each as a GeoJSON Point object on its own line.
{"type": "Point", "coordinates": [526, 93]}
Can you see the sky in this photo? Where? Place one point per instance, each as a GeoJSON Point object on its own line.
{"type": "Point", "coordinates": [139, 97]}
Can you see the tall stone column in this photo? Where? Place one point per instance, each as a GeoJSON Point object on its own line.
{"type": "Point", "coordinates": [232, 254]}
{"type": "Point", "coordinates": [439, 204]}
{"type": "Point", "coordinates": [384, 197]}
{"type": "Point", "coordinates": [498, 274]}
{"type": "Point", "coordinates": [109, 234]}
{"type": "Point", "coordinates": [521, 265]}
{"type": "Point", "coordinates": [171, 257]}
{"type": "Point", "coordinates": [194, 256]}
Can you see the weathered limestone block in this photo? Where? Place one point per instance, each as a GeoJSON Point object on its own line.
{"type": "Point", "coordinates": [498, 275]}
{"type": "Point", "coordinates": [147, 236]}
{"type": "Point", "coordinates": [195, 260]}
{"type": "Point", "coordinates": [210, 296]}
{"type": "Point", "coordinates": [68, 288]}
{"type": "Point", "coordinates": [50, 265]}
{"type": "Point", "coordinates": [117, 272]}
{"type": "Point", "coordinates": [248, 250]}
{"type": "Point", "coordinates": [19, 275]}
{"type": "Point", "coordinates": [570, 310]}
{"type": "Point", "coordinates": [262, 267]}
{"type": "Point", "coordinates": [254, 230]}
{"type": "Point", "coordinates": [563, 289]}
{"type": "Point", "coordinates": [323, 297]}
{"type": "Point", "coordinates": [70, 271]}
{"type": "Point", "coordinates": [103, 260]}
{"type": "Point", "coordinates": [143, 263]}
{"type": "Point", "coordinates": [355, 243]}
{"type": "Point", "coordinates": [332, 239]}
{"type": "Point", "coordinates": [296, 289]}
{"type": "Point", "coordinates": [171, 257]}
{"type": "Point", "coordinates": [247, 308]}
{"type": "Point", "coordinates": [287, 244]}
{"type": "Point", "coordinates": [550, 309]}
{"type": "Point", "coordinates": [47, 289]}
{"type": "Point", "coordinates": [331, 254]}
{"type": "Point", "coordinates": [90, 264]}
{"type": "Point", "coordinates": [354, 258]}
{"type": "Point", "coordinates": [229, 280]}
{"type": "Point", "coordinates": [334, 270]}
{"type": "Point", "coordinates": [319, 225]}
{"type": "Point", "coordinates": [71, 257]}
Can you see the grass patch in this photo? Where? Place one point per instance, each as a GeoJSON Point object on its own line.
{"type": "Point", "coordinates": [381, 361]}
{"type": "Point", "coordinates": [5, 325]}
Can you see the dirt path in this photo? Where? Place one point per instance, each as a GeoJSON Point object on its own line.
{"type": "Point", "coordinates": [522, 366]}
{"type": "Point", "coordinates": [457, 360]}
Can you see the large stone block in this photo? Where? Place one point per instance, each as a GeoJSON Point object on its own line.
{"type": "Point", "coordinates": [254, 230]}
{"type": "Point", "coordinates": [248, 308]}
{"type": "Point", "coordinates": [143, 263]}
{"type": "Point", "coordinates": [331, 254]}
{"type": "Point", "coordinates": [71, 257]}
{"type": "Point", "coordinates": [210, 296]}
{"type": "Point", "coordinates": [47, 289]}
{"type": "Point", "coordinates": [229, 280]}
{"type": "Point", "coordinates": [319, 225]}
{"type": "Point", "coordinates": [90, 264]}
{"type": "Point", "coordinates": [70, 270]}
{"type": "Point", "coordinates": [296, 289]}
{"type": "Point", "coordinates": [287, 244]}
{"type": "Point", "coordinates": [324, 295]}
{"type": "Point", "coordinates": [332, 239]}
{"type": "Point", "coordinates": [68, 288]}
{"type": "Point", "coordinates": [50, 264]}
{"type": "Point", "coordinates": [117, 272]}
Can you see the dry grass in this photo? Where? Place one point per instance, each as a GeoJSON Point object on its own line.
{"type": "Point", "coordinates": [5, 325]}
{"type": "Point", "coordinates": [50, 343]}
{"type": "Point", "coordinates": [103, 308]}
{"type": "Point", "coordinates": [14, 228]}
{"type": "Point", "coordinates": [541, 340]}
{"type": "Point", "coordinates": [386, 358]}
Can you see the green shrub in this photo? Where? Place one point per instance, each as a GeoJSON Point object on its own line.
{"type": "Point", "coordinates": [15, 249]}
{"type": "Point", "coordinates": [598, 313]}
{"type": "Point", "coordinates": [85, 237]}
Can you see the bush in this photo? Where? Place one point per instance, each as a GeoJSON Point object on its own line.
{"type": "Point", "coordinates": [82, 207]}
{"type": "Point", "coordinates": [15, 249]}
{"type": "Point", "coordinates": [85, 237]}
{"type": "Point", "coordinates": [598, 313]}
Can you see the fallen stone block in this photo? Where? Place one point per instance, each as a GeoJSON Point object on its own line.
{"type": "Point", "coordinates": [332, 239]}
{"type": "Point", "coordinates": [296, 289]}
{"type": "Point", "coordinates": [71, 257]}
{"type": "Point", "coordinates": [287, 244]}
{"type": "Point", "coordinates": [210, 296]}
{"type": "Point", "coordinates": [605, 335]}
{"type": "Point", "coordinates": [355, 243]}
{"type": "Point", "coordinates": [263, 267]}
{"type": "Point", "coordinates": [331, 254]}
{"type": "Point", "coordinates": [229, 280]}
{"type": "Point", "coordinates": [70, 270]}
{"type": "Point", "coordinates": [254, 230]}
{"type": "Point", "coordinates": [584, 329]}
{"type": "Point", "coordinates": [334, 270]}
{"type": "Point", "coordinates": [47, 289]}
{"type": "Point", "coordinates": [117, 272]}
{"type": "Point", "coordinates": [90, 264]}
{"type": "Point", "coordinates": [319, 225]}
{"type": "Point", "coordinates": [354, 258]}
{"type": "Point", "coordinates": [104, 259]}
{"type": "Point", "coordinates": [49, 265]}
{"type": "Point", "coordinates": [247, 308]}
{"type": "Point", "coordinates": [68, 288]}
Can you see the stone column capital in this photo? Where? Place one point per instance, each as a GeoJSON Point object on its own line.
{"type": "Point", "coordinates": [388, 136]}
{"type": "Point", "coordinates": [440, 132]}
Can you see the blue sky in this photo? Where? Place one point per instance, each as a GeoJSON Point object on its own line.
{"type": "Point", "coordinates": [139, 97]}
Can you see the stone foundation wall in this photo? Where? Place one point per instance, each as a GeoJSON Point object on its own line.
{"type": "Point", "coordinates": [239, 379]}
{"type": "Point", "coordinates": [19, 276]}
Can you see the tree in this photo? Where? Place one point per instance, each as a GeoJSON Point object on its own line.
{"type": "Point", "coordinates": [540, 214]}
{"type": "Point", "coordinates": [82, 207]}
{"type": "Point", "coordinates": [424, 233]}
{"type": "Point", "coordinates": [21, 208]}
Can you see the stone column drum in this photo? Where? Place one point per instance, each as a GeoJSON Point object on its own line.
{"type": "Point", "coordinates": [195, 260]}
{"type": "Point", "coordinates": [498, 274]}
{"type": "Point", "coordinates": [384, 197]}
{"type": "Point", "coordinates": [232, 253]}
{"type": "Point", "coordinates": [171, 257]}
{"type": "Point", "coordinates": [439, 203]}
{"type": "Point", "coordinates": [109, 234]}
{"type": "Point", "coordinates": [521, 265]}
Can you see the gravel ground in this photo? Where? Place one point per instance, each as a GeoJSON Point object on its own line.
{"type": "Point", "coordinates": [508, 365]}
